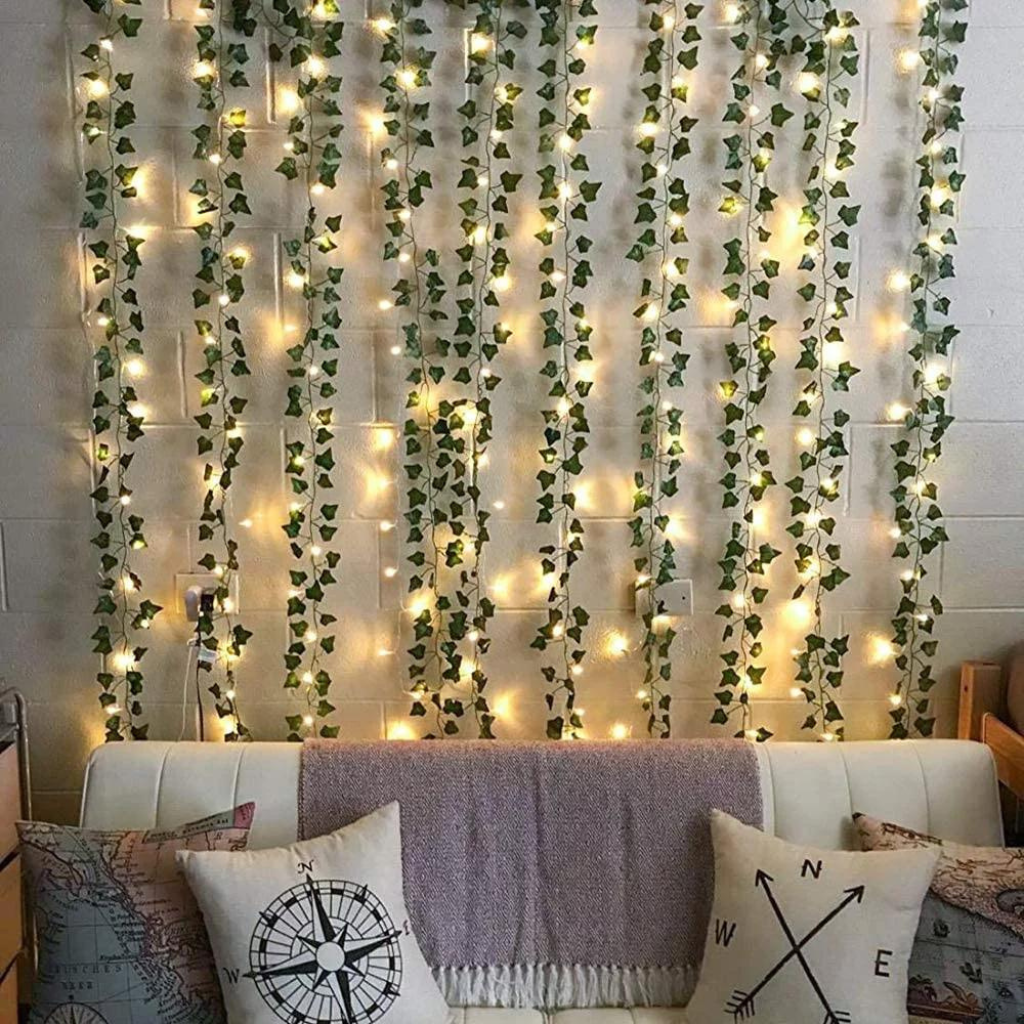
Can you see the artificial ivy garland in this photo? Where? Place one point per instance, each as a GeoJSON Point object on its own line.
{"type": "Point", "coordinates": [221, 196]}
{"type": "Point", "coordinates": [435, 444]}
{"type": "Point", "coordinates": [761, 39]}
{"type": "Point", "coordinates": [312, 158]}
{"type": "Point", "coordinates": [566, 196]}
{"type": "Point", "coordinates": [830, 61]}
{"type": "Point", "coordinates": [450, 421]}
{"type": "Point", "coordinates": [663, 203]}
{"type": "Point", "coordinates": [110, 184]}
{"type": "Point", "coordinates": [919, 530]}
{"type": "Point", "coordinates": [487, 116]}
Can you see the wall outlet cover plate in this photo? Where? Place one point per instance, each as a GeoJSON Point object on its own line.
{"type": "Point", "coordinates": [676, 597]}
{"type": "Point", "coordinates": [184, 581]}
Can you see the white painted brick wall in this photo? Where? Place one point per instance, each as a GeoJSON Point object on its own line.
{"type": "Point", "coordinates": [47, 565]}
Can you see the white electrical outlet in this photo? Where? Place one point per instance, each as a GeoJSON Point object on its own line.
{"type": "Point", "coordinates": [205, 581]}
{"type": "Point", "coordinates": [676, 599]}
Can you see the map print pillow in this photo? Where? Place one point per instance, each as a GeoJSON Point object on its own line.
{"type": "Point", "coordinates": [121, 940]}
{"type": "Point", "coordinates": [968, 959]}
{"type": "Point", "coordinates": [317, 932]}
{"type": "Point", "coordinates": [801, 936]}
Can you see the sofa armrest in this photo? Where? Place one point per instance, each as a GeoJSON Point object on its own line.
{"type": "Point", "coordinates": [981, 693]}
{"type": "Point", "coordinates": [1007, 748]}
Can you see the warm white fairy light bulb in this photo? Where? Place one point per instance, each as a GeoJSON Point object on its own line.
{"type": "Point", "coordinates": [808, 82]}
{"type": "Point", "coordinates": [908, 59]}
{"type": "Point", "coordinates": [898, 281]}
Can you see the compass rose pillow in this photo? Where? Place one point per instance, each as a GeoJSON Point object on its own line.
{"type": "Point", "coordinates": [968, 959]}
{"type": "Point", "coordinates": [809, 936]}
{"type": "Point", "coordinates": [120, 936]}
{"type": "Point", "coordinates": [317, 932]}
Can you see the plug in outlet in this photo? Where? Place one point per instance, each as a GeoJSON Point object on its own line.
{"type": "Point", "coordinates": [194, 587]}
{"type": "Point", "coordinates": [676, 599]}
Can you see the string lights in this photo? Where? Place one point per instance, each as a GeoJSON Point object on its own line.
{"type": "Point", "coordinates": [488, 117]}
{"type": "Point", "coordinates": [663, 203]}
{"type": "Point", "coordinates": [918, 517]}
{"type": "Point", "coordinates": [111, 185]}
{"type": "Point", "coordinates": [565, 196]}
{"type": "Point", "coordinates": [760, 37]}
{"type": "Point", "coordinates": [794, 53]}
{"type": "Point", "coordinates": [830, 62]}
{"type": "Point", "coordinates": [220, 144]}
{"type": "Point", "coordinates": [312, 158]}
{"type": "Point", "coordinates": [419, 292]}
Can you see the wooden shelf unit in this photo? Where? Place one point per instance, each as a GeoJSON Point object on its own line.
{"type": "Point", "coordinates": [12, 928]}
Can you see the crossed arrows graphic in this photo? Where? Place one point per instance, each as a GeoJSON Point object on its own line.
{"type": "Point", "coordinates": [741, 1005]}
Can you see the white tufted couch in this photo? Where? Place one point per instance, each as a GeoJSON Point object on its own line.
{"type": "Point", "coordinates": [944, 787]}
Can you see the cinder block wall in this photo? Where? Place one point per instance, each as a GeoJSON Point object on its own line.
{"type": "Point", "coordinates": [45, 389]}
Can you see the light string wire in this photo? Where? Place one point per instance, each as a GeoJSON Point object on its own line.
{"type": "Point", "coordinates": [111, 185]}
{"type": "Point", "coordinates": [831, 61]}
{"type": "Point", "coordinates": [761, 37]}
{"type": "Point", "coordinates": [220, 146]}
{"type": "Point", "coordinates": [563, 123]}
{"type": "Point", "coordinates": [487, 118]}
{"type": "Point", "coordinates": [663, 204]}
{"type": "Point", "coordinates": [919, 529]}
{"type": "Point", "coordinates": [310, 38]}
{"type": "Point", "coordinates": [421, 288]}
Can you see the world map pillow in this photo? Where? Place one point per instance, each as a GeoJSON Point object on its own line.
{"type": "Point", "coordinates": [120, 936]}
{"type": "Point", "coordinates": [968, 959]}
{"type": "Point", "coordinates": [317, 932]}
{"type": "Point", "coordinates": [800, 936]}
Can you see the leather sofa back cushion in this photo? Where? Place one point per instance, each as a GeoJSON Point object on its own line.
{"type": "Point", "coordinates": [1015, 689]}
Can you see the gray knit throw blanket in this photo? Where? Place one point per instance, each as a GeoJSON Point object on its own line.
{"type": "Point", "coordinates": [547, 874]}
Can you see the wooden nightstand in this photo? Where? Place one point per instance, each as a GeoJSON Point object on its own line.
{"type": "Point", "coordinates": [12, 807]}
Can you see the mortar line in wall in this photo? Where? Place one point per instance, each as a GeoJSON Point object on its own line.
{"type": "Point", "coordinates": [3, 571]}
{"type": "Point", "coordinates": [950, 610]}
{"type": "Point", "coordinates": [182, 361]}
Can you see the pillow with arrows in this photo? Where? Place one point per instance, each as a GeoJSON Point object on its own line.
{"type": "Point", "coordinates": [317, 931]}
{"type": "Point", "coordinates": [799, 934]}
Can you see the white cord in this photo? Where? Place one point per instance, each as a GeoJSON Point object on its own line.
{"type": "Point", "coordinates": [184, 693]}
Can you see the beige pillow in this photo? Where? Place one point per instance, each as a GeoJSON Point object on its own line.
{"type": "Point", "coordinates": [801, 936]}
{"type": "Point", "coordinates": [317, 931]}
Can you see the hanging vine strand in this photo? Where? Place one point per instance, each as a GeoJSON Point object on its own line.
{"type": "Point", "coordinates": [830, 62]}
{"type": "Point", "coordinates": [434, 427]}
{"type": "Point", "coordinates": [761, 39]}
{"type": "Point", "coordinates": [220, 144]}
{"type": "Point", "coordinates": [563, 124]}
{"type": "Point", "coordinates": [663, 203]}
{"type": "Point", "coordinates": [311, 38]}
{"type": "Point", "coordinates": [487, 117]}
{"type": "Point", "coordinates": [118, 418]}
{"type": "Point", "coordinates": [919, 530]}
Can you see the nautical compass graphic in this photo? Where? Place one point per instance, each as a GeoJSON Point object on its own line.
{"type": "Point", "coordinates": [75, 1013]}
{"type": "Point", "coordinates": [326, 952]}
{"type": "Point", "coordinates": [743, 1005]}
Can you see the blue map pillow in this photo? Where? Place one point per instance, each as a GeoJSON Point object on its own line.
{"type": "Point", "coordinates": [121, 940]}
{"type": "Point", "coordinates": [967, 965]}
